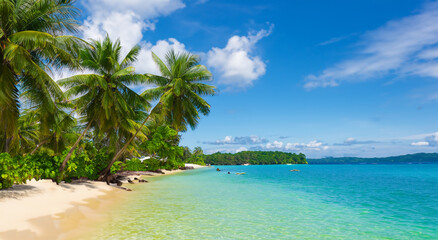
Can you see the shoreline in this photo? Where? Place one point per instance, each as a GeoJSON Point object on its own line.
{"type": "Point", "coordinates": [43, 210]}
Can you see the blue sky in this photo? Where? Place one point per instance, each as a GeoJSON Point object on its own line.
{"type": "Point", "coordinates": [326, 78]}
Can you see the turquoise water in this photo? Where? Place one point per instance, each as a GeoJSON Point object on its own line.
{"type": "Point", "coordinates": [271, 202]}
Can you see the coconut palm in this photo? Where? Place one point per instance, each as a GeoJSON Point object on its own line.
{"type": "Point", "coordinates": [31, 46]}
{"type": "Point", "coordinates": [179, 90]}
{"type": "Point", "coordinates": [27, 133]}
{"type": "Point", "coordinates": [62, 131]}
{"type": "Point", "coordinates": [104, 97]}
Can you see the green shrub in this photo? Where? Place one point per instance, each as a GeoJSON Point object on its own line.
{"type": "Point", "coordinates": [152, 164]}
{"type": "Point", "coordinates": [134, 165]}
{"type": "Point", "coordinates": [12, 171]}
{"type": "Point", "coordinates": [87, 164]}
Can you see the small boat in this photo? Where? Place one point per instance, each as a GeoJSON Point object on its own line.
{"type": "Point", "coordinates": [294, 170]}
{"type": "Point", "coordinates": [240, 173]}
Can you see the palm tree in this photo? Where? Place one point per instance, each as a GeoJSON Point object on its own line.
{"type": "Point", "coordinates": [27, 133]}
{"type": "Point", "coordinates": [30, 45]}
{"type": "Point", "coordinates": [179, 89]}
{"type": "Point", "coordinates": [104, 98]}
{"type": "Point", "coordinates": [61, 132]}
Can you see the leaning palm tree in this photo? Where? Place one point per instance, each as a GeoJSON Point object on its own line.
{"type": "Point", "coordinates": [179, 90]}
{"type": "Point", "coordinates": [104, 98]}
{"type": "Point", "coordinates": [31, 46]}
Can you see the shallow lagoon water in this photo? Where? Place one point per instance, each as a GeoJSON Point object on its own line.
{"type": "Point", "coordinates": [271, 202]}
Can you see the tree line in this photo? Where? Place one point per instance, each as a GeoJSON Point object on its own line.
{"type": "Point", "coordinates": [408, 158]}
{"type": "Point", "coordinates": [255, 158]}
{"type": "Point", "coordinates": [88, 122]}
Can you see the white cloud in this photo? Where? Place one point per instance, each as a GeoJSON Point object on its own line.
{"type": "Point", "coordinates": [274, 145]}
{"type": "Point", "coordinates": [145, 63]}
{"type": "Point", "coordinates": [399, 47]}
{"type": "Point", "coordinates": [246, 140]}
{"type": "Point", "coordinates": [310, 146]}
{"type": "Point", "coordinates": [241, 149]}
{"type": "Point", "coordinates": [126, 26]}
{"type": "Point", "coordinates": [125, 20]}
{"type": "Point", "coordinates": [235, 63]}
{"type": "Point", "coordinates": [420, 144]}
{"type": "Point", "coordinates": [147, 8]}
{"type": "Point", "coordinates": [429, 140]}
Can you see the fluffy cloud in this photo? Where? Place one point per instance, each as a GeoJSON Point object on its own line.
{"type": "Point", "coordinates": [145, 62]}
{"type": "Point", "coordinates": [147, 8]}
{"type": "Point", "coordinates": [247, 140]}
{"type": "Point", "coordinates": [431, 140]}
{"type": "Point", "coordinates": [126, 21]}
{"type": "Point", "coordinates": [128, 27]}
{"type": "Point", "coordinates": [274, 145]}
{"type": "Point", "coordinates": [405, 46]}
{"type": "Point", "coordinates": [235, 63]}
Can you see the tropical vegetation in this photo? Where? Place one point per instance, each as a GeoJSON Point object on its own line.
{"type": "Point", "coordinates": [99, 124]}
{"type": "Point", "coordinates": [408, 158]}
{"type": "Point", "coordinates": [255, 158]}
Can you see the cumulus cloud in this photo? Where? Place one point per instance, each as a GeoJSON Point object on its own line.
{"type": "Point", "coordinates": [145, 62]}
{"type": "Point", "coordinates": [235, 63]}
{"type": "Point", "coordinates": [147, 8]}
{"type": "Point", "coordinates": [430, 140]}
{"type": "Point", "coordinates": [246, 140]}
{"type": "Point", "coordinates": [126, 21]}
{"type": "Point", "coordinates": [128, 27]}
{"type": "Point", "coordinates": [402, 47]}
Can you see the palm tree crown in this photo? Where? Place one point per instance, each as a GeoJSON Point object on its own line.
{"type": "Point", "coordinates": [180, 88]}
{"type": "Point", "coordinates": [31, 46]}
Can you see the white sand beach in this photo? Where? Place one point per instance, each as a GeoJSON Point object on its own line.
{"type": "Point", "coordinates": [27, 210]}
{"type": "Point", "coordinates": [37, 209]}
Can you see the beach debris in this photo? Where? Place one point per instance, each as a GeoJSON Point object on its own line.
{"type": "Point", "coordinates": [142, 181]}
{"type": "Point", "coordinates": [294, 170]}
{"type": "Point", "coordinates": [135, 178]}
{"type": "Point", "coordinates": [130, 181]}
{"type": "Point", "coordinates": [126, 189]}
{"type": "Point", "coordinates": [187, 168]}
{"type": "Point", "coordinates": [240, 173]}
{"type": "Point", "coordinates": [159, 171]}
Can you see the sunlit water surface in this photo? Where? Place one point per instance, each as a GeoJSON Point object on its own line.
{"type": "Point", "coordinates": [271, 202]}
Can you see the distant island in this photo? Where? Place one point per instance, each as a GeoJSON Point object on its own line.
{"type": "Point", "coordinates": [255, 158]}
{"type": "Point", "coordinates": [408, 158]}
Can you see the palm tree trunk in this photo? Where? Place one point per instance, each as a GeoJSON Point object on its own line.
{"type": "Point", "coordinates": [104, 173]}
{"type": "Point", "coordinates": [39, 145]}
{"type": "Point", "coordinates": [7, 142]}
{"type": "Point", "coordinates": [64, 163]}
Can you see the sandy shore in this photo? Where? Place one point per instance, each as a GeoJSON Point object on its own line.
{"type": "Point", "coordinates": [44, 210]}
{"type": "Point", "coordinates": [28, 210]}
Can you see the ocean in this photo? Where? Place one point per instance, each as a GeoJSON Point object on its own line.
{"type": "Point", "coordinates": [272, 202]}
